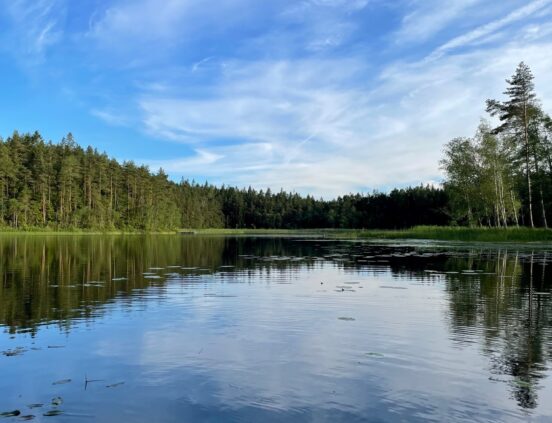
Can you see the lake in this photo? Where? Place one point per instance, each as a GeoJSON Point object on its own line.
{"type": "Point", "coordinates": [252, 329]}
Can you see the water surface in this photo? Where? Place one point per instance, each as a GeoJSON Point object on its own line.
{"type": "Point", "coordinates": [188, 329]}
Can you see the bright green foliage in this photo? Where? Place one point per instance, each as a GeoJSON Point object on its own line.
{"type": "Point", "coordinates": [462, 171]}
{"type": "Point", "coordinates": [64, 186]}
{"type": "Point", "coordinates": [503, 176]}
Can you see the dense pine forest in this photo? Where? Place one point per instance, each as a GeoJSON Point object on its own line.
{"type": "Point", "coordinates": [501, 177]}
{"type": "Point", "coordinates": [63, 186]}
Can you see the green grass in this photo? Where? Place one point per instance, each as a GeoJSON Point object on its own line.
{"type": "Point", "coordinates": [322, 233]}
{"type": "Point", "coordinates": [222, 231]}
{"type": "Point", "coordinates": [440, 233]}
{"type": "Point", "coordinates": [464, 234]}
{"type": "Point", "coordinates": [6, 230]}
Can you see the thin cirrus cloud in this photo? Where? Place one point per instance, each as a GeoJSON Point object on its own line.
{"type": "Point", "coordinates": [127, 24]}
{"type": "Point", "coordinates": [330, 141]}
{"type": "Point", "coordinates": [492, 27]}
{"type": "Point", "coordinates": [321, 97]}
{"type": "Point", "coordinates": [429, 17]}
{"type": "Point", "coordinates": [33, 27]}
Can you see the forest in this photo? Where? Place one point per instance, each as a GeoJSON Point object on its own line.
{"type": "Point", "coordinates": [501, 177]}
{"type": "Point", "coordinates": [63, 186]}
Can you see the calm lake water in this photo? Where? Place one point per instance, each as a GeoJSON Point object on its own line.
{"type": "Point", "coordinates": [192, 329]}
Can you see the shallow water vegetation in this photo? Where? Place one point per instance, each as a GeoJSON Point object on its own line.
{"type": "Point", "coordinates": [13, 413]}
{"type": "Point", "coordinates": [439, 233]}
{"type": "Point", "coordinates": [14, 352]}
{"type": "Point", "coordinates": [450, 233]}
{"type": "Point", "coordinates": [53, 413]}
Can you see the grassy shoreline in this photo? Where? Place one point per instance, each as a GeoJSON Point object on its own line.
{"type": "Point", "coordinates": [436, 233]}
{"type": "Point", "coordinates": [45, 231]}
{"type": "Point", "coordinates": [419, 233]}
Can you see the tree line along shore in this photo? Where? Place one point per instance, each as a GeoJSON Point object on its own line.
{"type": "Point", "coordinates": [499, 179]}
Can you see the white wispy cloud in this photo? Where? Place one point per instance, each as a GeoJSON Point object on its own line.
{"type": "Point", "coordinates": [302, 126]}
{"type": "Point", "coordinates": [37, 25]}
{"type": "Point", "coordinates": [324, 24]}
{"type": "Point", "coordinates": [492, 27]}
{"type": "Point", "coordinates": [129, 24]}
{"type": "Point", "coordinates": [263, 101]}
{"type": "Point", "coordinates": [428, 17]}
{"type": "Point", "coordinates": [197, 65]}
{"type": "Point", "coordinates": [143, 19]}
{"type": "Point", "coordinates": [111, 117]}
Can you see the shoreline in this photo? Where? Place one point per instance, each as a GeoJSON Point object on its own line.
{"type": "Point", "coordinates": [431, 233]}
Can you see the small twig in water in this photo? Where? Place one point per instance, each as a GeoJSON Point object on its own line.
{"type": "Point", "coordinates": [87, 381]}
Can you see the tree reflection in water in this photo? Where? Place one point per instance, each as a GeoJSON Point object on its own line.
{"type": "Point", "coordinates": [497, 298]}
{"type": "Point", "coordinates": [510, 310]}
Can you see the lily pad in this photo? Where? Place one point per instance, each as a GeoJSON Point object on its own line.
{"type": "Point", "coordinates": [392, 287]}
{"type": "Point", "coordinates": [14, 352]}
{"type": "Point", "coordinates": [62, 382]}
{"type": "Point", "coordinates": [57, 401]}
{"type": "Point", "coordinates": [13, 413]}
{"type": "Point", "coordinates": [114, 385]}
{"type": "Point", "coordinates": [53, 413]}
{"type": "Point", "coordinates": [375, 355]}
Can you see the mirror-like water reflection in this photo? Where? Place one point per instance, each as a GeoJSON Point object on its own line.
{"type": "Point", "coordinates": [171, 328]}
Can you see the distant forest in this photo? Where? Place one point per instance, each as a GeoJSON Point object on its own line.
{"type": "Point", "coordinates": [501, 177]}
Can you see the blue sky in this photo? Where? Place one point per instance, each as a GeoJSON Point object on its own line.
{"type": "Point", "coordinates": [317, 96]}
